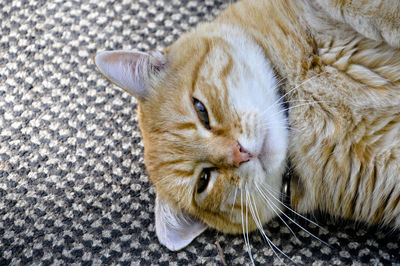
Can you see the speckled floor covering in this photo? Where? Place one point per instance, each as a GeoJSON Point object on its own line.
{"type": "Point", "coordinates": [73, 187]}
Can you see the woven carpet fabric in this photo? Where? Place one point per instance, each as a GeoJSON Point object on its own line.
{"type": "Point", "coordinates": [73, 186]}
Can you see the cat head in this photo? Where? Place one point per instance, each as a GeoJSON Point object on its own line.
{"type": "Point", "coordinates": [213, 127]}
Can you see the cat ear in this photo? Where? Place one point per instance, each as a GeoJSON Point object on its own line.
{"type": "Point", "coordinates": [130, 69]}
{"type": "Point", "coordinates": [175, 230]}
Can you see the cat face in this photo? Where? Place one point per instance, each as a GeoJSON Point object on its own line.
{"type": "Point", "coordinates": [214, 131]}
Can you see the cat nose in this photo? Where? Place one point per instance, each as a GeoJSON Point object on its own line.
{"type": "Point", "coordinates": [240, 155]}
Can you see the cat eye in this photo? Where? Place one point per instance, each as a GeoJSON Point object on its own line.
{"type": "Point", "coordinates": [201, 112]}
{"type": "Point", "coordinates": [204, 179]}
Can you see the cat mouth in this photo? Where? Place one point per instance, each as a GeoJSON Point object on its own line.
{"type": "Point", "coordinates": [262, 165]}
{"type": "Point", "coordinates": [261, 156]}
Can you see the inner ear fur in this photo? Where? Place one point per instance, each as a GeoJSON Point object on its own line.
{"type": "Point", "coordinates": [132, 70]}
{"type": "Point", "coordinates": [175, 229]}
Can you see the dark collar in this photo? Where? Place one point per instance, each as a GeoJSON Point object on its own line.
{"type": "Point", "coordinates": [284, 101]}
{"type": "Point", "coordinates": [286, 178]}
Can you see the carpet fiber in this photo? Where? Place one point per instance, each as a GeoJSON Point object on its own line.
{"type": "Point", "coordinates": [73, 186]}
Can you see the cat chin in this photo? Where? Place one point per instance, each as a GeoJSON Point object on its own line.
{"type": "Point", "coordinates": [273, 154]}
{"type": "Point", "coordinates": [261, 187]}
{"type": "Point", "coordinates": [271, 162]}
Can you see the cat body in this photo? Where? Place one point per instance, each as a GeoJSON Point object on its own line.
{"type": "Point", "coordinates": [345, 147]}
{"type": "Point", "coordinates": [216, 136]}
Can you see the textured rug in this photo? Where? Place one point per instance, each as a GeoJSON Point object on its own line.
{"type": "Point", "coordinates": [73, 186]}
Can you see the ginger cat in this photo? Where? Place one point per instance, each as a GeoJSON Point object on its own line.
{"type": "Point", "coordinates": [227, 106]}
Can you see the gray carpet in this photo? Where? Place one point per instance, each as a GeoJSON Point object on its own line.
{"type": "Point", "coordinates": [73, 186]}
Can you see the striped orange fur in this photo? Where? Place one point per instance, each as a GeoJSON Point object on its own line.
{"type": "Point", "coordinates": [338, 65]}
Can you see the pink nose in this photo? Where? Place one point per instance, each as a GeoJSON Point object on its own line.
{"type": "Point", "coordinates": [240, 155]}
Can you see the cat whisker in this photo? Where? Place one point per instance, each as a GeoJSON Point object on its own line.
{"type": "Point", "coordinates": [312, 101]}
{"type": "Point", "coordinates": [162, 180]}
{"type": "Point", "coordinates": [293, 211]}
{"type": "Point", "coordinates": [245, 227]}
{"type": "Point", "coordinates": [301, 227]}
{"type": "Point", "coordinates": [234, 202]}
{"type": "Point", "coordinates": [278, 101]}
{"type": "Point", "coordinates": [295, 106]}
{"type": "Point", "coordinates": [272, 190]}
{"type": "Point", "coordinates": [151, 185]}
{"type": "Point", "coordinates": [279, 84]}
{"type": "Point", "coordinates": [277, 124]}
{"type": "Point", "coordinates": [282, 127]}
{"type": "Point", "coordinates": [279, 81]}
{"type": "Point", "coordinates": [305, 103]}
{"type": "Point", "coordinates": [257, 220]}
{"type": "Point", "coordinates": [267, 126]}
{"type": "Point", "coordinates": [165, 178]}
{"type": "Point", "coordinates": [273, 209]}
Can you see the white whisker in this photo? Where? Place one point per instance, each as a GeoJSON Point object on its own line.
{"type": "Point", "coordinates": [246, 242]}
{"type": "Point", "coordinates": [151, 185]}
{"type": "Point", "coordinates": [301, 101]}
{"type": "Point", "coordinates": [257, 219]}
{"type": "Point", "coordinates": [234, 202]}
{"type": "Point", "coordinates": [277, 214]}
{"type": "Point", "coordinates": [293, 211]}
{"type": "Point", "coordinates": [273, 190]}
{"type": "Point", "coordinates": [296, 106]}
{"type": "Point", "coordinates": [267, 126]}
{"type": "Point", "coordinates": [259, 226]}
{"type": "Point", "coordinates": [247, 227]}
{"type": "Point", "coordinates": [278, 101]}
{"type": "Point", "coordinates": [301, 227]}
